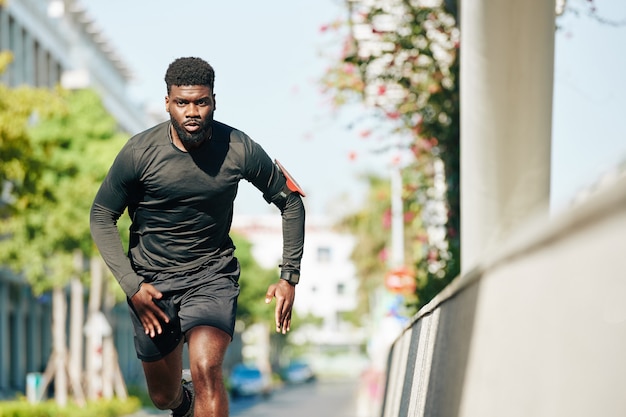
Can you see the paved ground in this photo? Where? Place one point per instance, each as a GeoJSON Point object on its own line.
{"type": "Point", "coordinates": [322, 398]}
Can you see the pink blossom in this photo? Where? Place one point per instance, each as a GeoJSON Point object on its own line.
{"type": "Point", "coordinates": [386, 219]}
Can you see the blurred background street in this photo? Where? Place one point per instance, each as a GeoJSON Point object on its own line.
{"type": "Point", "coordinates": [328, 398]}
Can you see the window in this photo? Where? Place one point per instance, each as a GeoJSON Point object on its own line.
{"type": "Point", "coordinates": [323, 254]}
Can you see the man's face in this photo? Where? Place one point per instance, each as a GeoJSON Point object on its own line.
{"type": "Point", "coordinates": [191, 110]}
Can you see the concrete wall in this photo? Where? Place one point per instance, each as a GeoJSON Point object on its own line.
{"type": "Point", "coordinates": [536, 328]}
{"type": "Point", "coordinates": [507, 66]}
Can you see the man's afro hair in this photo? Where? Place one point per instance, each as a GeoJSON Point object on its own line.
{"type": "Point", "coordinates": [189, 71]}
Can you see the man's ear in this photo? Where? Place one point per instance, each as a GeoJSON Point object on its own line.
{"type": "Point", "coordinates": [214, 103]}
{"type": "Point", "coordinates": [167, 104]}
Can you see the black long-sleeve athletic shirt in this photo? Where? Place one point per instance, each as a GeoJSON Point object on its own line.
{"type": "Point", "coordinates": [181, 204]}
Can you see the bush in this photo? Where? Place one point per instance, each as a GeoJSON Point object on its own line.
{"type": "Point", "coordinates": [141, 394]}
{"type": "Point", "coordinates": [101, 408]}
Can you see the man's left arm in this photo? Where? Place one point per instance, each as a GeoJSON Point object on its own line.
{"type": "Point", "coordinates": [279, 188]}
{"type": "Point", "coordinates": [293, 215]}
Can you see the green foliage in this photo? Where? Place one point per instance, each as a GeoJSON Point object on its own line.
{"type": "Point", "coordinates": [140, 392]}
{"type": "Point", "coordinates": [5, 57]}
{"type": "Point", "coordinates": [69, 153]}
{"type": "Point", "coordinates": [20, 168]}
{"type": "Point", "coordinates": [403, 61]}
{"type": "Point", "coordinates": [371, 227]}
{"type": "Point", "coordinates": [101, 408]}
{"type": "Point", "coordinates": [371, 230]}
{"type": "Point", "coordinates": [254, 280]}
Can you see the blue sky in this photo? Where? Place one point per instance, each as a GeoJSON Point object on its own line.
{"type": "Point", "coordinates": [589, 134]}
{"type": "Point", "coordinates": [269, 56]}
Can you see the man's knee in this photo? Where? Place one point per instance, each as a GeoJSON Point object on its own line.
{"type": "Point", "coordinates": [166, 400]}
{"type": "Point", "coordinates": [208, 368]}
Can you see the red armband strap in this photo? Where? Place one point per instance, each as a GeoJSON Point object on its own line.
{"type": "Point", "coordinates": [291, 182]}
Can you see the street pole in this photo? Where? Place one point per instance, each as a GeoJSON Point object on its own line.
{"type": "Point", "coordinates": [397, 218]}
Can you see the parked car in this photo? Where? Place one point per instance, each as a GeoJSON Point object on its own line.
{"type": "Point", "coordinates": [298, 372]}
{"type": "Point", "coordinates": [249, 380]}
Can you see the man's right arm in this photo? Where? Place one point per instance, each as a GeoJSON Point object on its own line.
{"type": "Point", "coordinates": [105, 234]}
{"type": "Point", "coordinates": [109, 203]}
{"type": "Point", "coordinates": [103, 223]}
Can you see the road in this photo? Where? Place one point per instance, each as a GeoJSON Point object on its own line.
{"type": "Point", "coordinates": [321, 398]}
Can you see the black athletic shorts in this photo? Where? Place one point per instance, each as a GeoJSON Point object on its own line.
{"type": "Point", "coordinates": [210, 301]}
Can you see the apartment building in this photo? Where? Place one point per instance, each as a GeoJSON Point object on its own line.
{"type": "Point", "coordinates": [56, 42]}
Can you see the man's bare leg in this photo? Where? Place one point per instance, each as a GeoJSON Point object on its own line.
{"type": "Point", "coordinates": [163, 378]}
{"type": "Point", "coordinates": [207, 346]}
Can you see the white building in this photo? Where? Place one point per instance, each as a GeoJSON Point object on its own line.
{"type": "Point", "coordinates": [328, 285]}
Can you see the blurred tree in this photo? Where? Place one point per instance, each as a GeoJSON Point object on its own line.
{"type": "Point", "coordinates": [68, 156]}
{"type": "Point", "coordinates": [400, 58]}
{"type": "Point", "coordinates": [254, 280]}
{"type": "Point", "coordinates": [20, 169]}
{"type": "Point", "coordinates": [60, 148]}
{"type": "Point", "coordinates": [371, 228]}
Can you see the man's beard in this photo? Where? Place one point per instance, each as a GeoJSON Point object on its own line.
{"type": "Point", "coordinates": [193, 139]}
